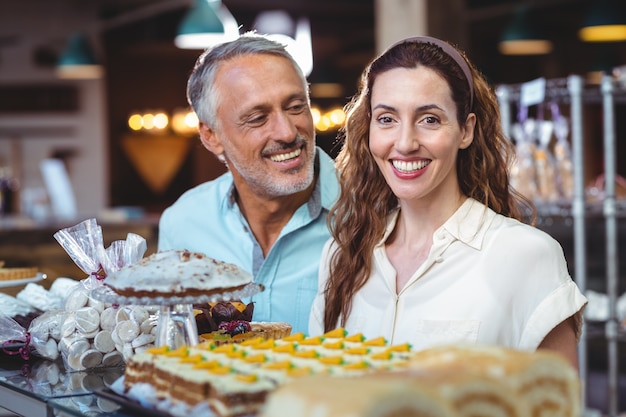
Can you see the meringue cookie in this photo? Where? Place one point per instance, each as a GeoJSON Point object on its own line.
{"type": "Point", "coordinates": [127, 330]}
{"type": "Point", "coordinates": [91, 359]}
{"type": "Point", "coordinates": [78, 298]}
{"type": "Point", "coordinates": [104, 342]}
{"type": "Point", "coordinates": [87, 319]}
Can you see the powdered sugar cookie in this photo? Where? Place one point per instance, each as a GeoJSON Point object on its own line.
{"type": "Point", "coordinates": [87, 319]}
{"type": "Point", "coordinates": [112, 358]}
{"type": "Point", "coordinates": [78, 346]}
{"type": "Point", "coordinates": [104, 342]}
{"type": "Point", "coordinates": [127, 330]}
{"type": "Point", "coordinates": [68, 327]}
{"type": "Point", "coordinates": [122, 315]}
{"type": "Point", "coordinates": [142, 340]}
{"type": "Point", "coordinates": [97, 304]}
{"type": "Point", "coordinates": [147, 326]}
{"type": "Point", "coordinates": [139, 314]}
{"type": "Point", "coordinates": [127, 351]}
{"type": "Point", "coordinates": [116, 338]}
{"type": "Point", "coordinates": [107, 318]}
{"type": "Point", "coordinates": [76, 299]}
{"type": "Point", "coordinates": [143, 348]}
{"type": "Point", "coordinates": [91, 359]}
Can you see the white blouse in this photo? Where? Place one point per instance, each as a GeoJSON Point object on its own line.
{"type": "Point", "coordinates": [488, 279]}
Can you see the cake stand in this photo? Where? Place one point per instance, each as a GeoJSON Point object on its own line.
{"type": "Point", "coordinates": [176, 325]}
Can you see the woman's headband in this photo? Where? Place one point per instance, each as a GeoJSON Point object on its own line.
{"type": "Point", "coordinates": [451, 51]}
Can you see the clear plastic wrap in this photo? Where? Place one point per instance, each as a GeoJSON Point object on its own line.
{"type": "Point", "coordinates": [93, 333]}
{"type": "Point", "coordinates": [547, 189]}
{"type": "Point", "coordinates": [15, 339]}
{"type": "Point", "coordinates": [563, 154]}
{"type": "Point", "coordinates": [523, 175]}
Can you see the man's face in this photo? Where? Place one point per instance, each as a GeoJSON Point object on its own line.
{"type": "Point", "coordinates": [265, 128]}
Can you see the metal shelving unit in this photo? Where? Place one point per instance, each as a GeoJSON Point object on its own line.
{"type": "Point", "coordinates": [573, 92]}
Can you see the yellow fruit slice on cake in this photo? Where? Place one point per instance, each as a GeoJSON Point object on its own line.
{"type": "Point", "coordinates": [337, 333]}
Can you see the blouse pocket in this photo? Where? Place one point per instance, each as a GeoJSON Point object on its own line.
{"type": "Point", "coordinates": [440, 332]}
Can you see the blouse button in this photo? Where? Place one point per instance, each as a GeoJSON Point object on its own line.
{"type": "Point", "coordinates": [439, 259]}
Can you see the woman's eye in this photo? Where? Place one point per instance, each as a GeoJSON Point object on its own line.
{"type": "Point", "coordinates": [385, 119]}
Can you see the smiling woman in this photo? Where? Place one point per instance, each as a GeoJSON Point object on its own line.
{"type": "Point", "coordinates": [426, 216]}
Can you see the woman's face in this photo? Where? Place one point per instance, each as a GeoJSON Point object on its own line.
{"type": "Point", "coordinates": [415, 135]}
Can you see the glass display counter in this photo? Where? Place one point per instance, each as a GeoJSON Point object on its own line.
{"type": "Point", "coordinates": [43, 388]}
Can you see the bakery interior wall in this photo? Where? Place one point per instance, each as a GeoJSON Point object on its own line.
{"type": "Point", "coordinates": [110, 167]}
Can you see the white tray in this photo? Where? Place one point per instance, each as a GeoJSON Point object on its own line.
{"type": "Point", "coordinates": [16, 282]}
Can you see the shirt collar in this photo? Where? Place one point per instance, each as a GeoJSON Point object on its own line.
{"type": "Point", "coordinates": [468, 224]}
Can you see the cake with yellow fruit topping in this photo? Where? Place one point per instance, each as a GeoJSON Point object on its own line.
{"type": "Point", "coordinates": [234, 378]}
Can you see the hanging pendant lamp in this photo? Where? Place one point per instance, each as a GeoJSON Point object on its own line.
{"type": "Point", "coordinates": [77, 60]}
{"type": "Point", "coordinates": [520, 37]}
{"type": "Point", "coordinates": [207, 23]}
{"type": "Point", "coordinates": [605, 22]}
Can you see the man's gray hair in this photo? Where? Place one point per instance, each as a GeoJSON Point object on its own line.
{"type": "Point", "coordinates": [201, 89]}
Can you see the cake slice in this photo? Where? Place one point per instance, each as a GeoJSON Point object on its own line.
{"type": "Point", "coordinates": [543, 379]}
{"type": "Point", "coordinates": [177, 273]}
{"type": "Point", "coordinates": [347, 397]}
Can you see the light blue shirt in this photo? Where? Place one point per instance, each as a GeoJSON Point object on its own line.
{"type": "Point", "coordinates": [206, 219]}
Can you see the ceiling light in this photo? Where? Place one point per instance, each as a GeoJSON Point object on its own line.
{"type": "Point", "coordinates": [605, 22]}
{"type": "Point", "coordinates": [206, 24]}
{"type": "Point", "coordinates": [520, 38]}
{"type": "Point", "coordinates": [77, 60]}
{"type": "Point", "coordinates": [296, 37]}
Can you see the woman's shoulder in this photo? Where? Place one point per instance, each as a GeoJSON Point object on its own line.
{"type": "Point", "coordinates": [506, 229]}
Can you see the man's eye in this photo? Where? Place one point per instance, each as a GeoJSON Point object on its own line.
{"type": "Point", "coordinates": [431, 120]}
{"type": "Point", "coordinates": [256, 120]}
{"type": "Point", "coordinates": [297, 108]}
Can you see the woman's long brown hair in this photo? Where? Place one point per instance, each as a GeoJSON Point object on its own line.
{"type": "Point", "coordinates": [358, 219]}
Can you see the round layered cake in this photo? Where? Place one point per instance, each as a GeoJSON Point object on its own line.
{"type": "Point", "coordinates": [177, 273]}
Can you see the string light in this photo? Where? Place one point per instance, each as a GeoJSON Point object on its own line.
{"type": "Point", "coordinates": [185, 122]}
{"type": "Point", "coordinates": [330, 120]}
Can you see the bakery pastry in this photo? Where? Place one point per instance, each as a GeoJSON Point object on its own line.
{"type": "Point", "coordinates": [543, 379]}
{"type": "Point", "coordinates": [340, 375]}
{"type": "Point", "coordinates": [235, 378]}
{"type": "Point", "coordinates": [253, 329]}
{"type": "Point", "coordinates": [8, 274]}
{"type": "Point", "coordinates": [347, 397]}
{"type": "Point", "coordinates": [469, 394]}
{"type": "Point", "coordinates": [177, 273]}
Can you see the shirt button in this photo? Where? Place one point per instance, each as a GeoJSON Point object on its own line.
{"type": "Point", "coordinates": [441, 235]}
{"type": "Point", "coordinates": [439, 259]}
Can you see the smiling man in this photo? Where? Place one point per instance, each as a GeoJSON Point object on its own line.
{"type": "Point", "coordinates": [267, 213]}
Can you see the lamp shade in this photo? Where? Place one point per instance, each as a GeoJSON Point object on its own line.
{"type": "Point", "coordinates": [207, 23]}
{"type": "Point", "coordinates": [77, 60]}
{"type": "Point", "coordinates": [520, 37]}
{"type": "Point", "coordinates": [604, 22]}
{"type": "Point", "coordinates": [296, 36]}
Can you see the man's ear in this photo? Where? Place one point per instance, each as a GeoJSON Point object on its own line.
{"type": "Point", "coordinates": [209, 139]}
